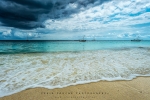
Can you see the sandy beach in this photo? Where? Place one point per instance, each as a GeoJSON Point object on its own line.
{"type": "Point", "coordinates": [136, 89]}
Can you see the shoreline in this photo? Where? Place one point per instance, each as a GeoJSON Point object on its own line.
{"type": "Point", "coordinates": [136, 89]}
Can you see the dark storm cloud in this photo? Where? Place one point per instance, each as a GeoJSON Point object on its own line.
{"type": "Point", "coordinates": [23, 14]}
{"type": "Point", "coordinates": [29, 14]}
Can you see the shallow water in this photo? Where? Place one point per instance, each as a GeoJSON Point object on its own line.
{"type": "Point", "coordinates": [63, 46]}
{"type": "Point", "coordinates": [20, 71]}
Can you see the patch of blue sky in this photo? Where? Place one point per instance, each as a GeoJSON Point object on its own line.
{"type": "Point", "coordinates": [112, 20]}
{"type": "Point", "coordinates": [147, 10]}
{"type": "Point", "coordinates": [139, 13]}
{"type": "Point", "coordinates": [113, 15]}
{"type": "Point", "coordinates": [142, 25]}
{"type": "Point", "coordinates": [136, 14]}
{"type": "Point", "coordinates": [115, 19]}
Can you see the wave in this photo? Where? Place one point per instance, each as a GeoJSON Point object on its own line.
{"type": "Point", "coordinates": [60, 69]}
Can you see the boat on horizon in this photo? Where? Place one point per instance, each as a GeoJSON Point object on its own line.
{"type": "Point", "coordinates": [83, 40]}
{"type": "Point", "coordinates": [136, 40]}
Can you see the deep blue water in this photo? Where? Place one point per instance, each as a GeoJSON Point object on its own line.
{"type": "Point", "coordinates": [62, 46]}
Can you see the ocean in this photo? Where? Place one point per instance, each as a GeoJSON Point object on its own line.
{"type": "Point", "coordinates": [57, 64]}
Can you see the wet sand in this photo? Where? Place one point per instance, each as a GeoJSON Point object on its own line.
{"type": "Point", "coordinates": [136, 89]}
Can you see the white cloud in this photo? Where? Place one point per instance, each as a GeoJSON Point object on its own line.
{"type": "Point", "coordinates": [6, 33]}
{"type": "Point", "coordinates": [19, 34]}
{"type": "Point", "coordinates": [111, 19]}
{"type": "Point", "coordinates": [103, 16]}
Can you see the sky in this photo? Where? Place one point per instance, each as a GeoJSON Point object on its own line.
{"type": "Point", "coordinates": [74, 19]}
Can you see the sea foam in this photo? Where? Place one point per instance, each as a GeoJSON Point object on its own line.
{"type": "Point", "coordinates": [56, 70]}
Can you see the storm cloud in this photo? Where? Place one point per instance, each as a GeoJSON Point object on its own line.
{"type": "Point", "coordinates": [30, 14]}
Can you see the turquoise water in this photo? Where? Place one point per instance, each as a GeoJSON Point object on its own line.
{"type": "Point", "coordinates": [58, 46]}
{"type": "Point", "coordinates": [57, 64]}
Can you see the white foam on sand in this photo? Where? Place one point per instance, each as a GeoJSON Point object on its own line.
{"type": "Point", "coordinates": [56, 70]}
